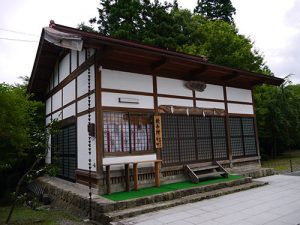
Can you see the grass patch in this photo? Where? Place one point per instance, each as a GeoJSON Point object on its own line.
{"type": "Point", "coordinates": [26, 216]}
{"type": "Point", "coordinates": [120, 196]}
{"type": "Point", "coordinates": [282, 163]}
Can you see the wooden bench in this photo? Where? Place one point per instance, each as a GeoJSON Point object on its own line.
{"type": "Point", "coordinates": [157, 164]}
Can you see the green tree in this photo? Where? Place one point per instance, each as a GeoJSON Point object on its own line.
{"type": "Point", "coordinates": [21, 119]}
{"type": "Point", "coordinates": [37, 166]}
{"type": "Point", "coordinates": [221, 43]}
{"type": "Point", "coordinates": [143, 21]}
{"type": "Point", "coordinates": [278, 118]}
{"type": "Point", "coordinates": [167, 26]}
{"type": "Point", "coordinates": [216, 10]}
{"type": "Point", "coordinates": [18, 117]}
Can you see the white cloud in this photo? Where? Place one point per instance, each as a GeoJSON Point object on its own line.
{"type": "Point", "coordinates": [274, 27]}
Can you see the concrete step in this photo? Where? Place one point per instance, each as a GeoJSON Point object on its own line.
{"type": "Point", "coordinates": [113, 217]}
{"type": "Point", "coordinates": [168, 196]}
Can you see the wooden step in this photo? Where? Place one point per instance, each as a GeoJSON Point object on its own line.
{"type": "Point", "coordinates": [198, 171]}
{"type": "Point", "coordinates": [206, 175]}
{"type": "Point", "coordinates": [197, 165]}
{"type": "Point", "coordinates": [204, 168]}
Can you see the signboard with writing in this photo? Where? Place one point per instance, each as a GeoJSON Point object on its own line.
{"type": "Point", "coordinates": [158, 131]}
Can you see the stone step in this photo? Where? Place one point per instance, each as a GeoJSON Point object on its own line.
{"type": "Point", "coordinates": [113, 217]}
{"type": "Point", "coordinates": [168, 196]}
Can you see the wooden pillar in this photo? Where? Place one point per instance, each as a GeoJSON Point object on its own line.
{"type": "Point", "coordinates": [227, 127]}
{"type": "Point", "coordinates": [157, 173]}
{"type": "Point", "coordinates": [155, 100]}
{"type": "Point", "coordinates": [127, 178]}
{"type": "Point", "coordinates": [98, 120]}
{"type": "Point", "coordinates": [256, 129]}
{"type": "Point", "coordinates": [108, 179]}
{"type": "Point", "coordinates": [135, 176]}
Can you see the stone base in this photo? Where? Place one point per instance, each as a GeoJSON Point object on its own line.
{"type": "Point", "coordinates": [255, 172]}
{"type": "Point", "coordinates": [75, 198]}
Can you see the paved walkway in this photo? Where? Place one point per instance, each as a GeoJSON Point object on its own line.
{"type": "Point", "coordinates": [275, 204]}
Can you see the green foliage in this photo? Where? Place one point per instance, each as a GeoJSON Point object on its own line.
{"type": "Point", "coordinates": [284, 162]}
{"type": "Point", "coordinates": [23, 137]}
{"type": "Point", "coordinates": [27, 216]}
{"type": "Point", "coordinates": [216, 10]}
{"type": "Point", "coordinates": [167, 26]}
{"type": "Point", "coordinates": [82, 26]}
{"type": "Point", "coordinates": [221, 43]}
{"type": "Point", "coordinates": [20, 117]}
{"type": "Point", "coordinates": [278, 118]}
{"type": "Point", "coordinates": [144, 21]}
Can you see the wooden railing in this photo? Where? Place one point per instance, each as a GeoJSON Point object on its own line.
{"type": "Point", "coordinates": [157, 166]}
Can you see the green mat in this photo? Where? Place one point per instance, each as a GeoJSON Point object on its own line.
{"type": "Point", "coordinates": [119, 196]}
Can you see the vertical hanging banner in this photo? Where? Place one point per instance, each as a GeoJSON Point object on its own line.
{"type": "Point", "coordinates": [158, 131]}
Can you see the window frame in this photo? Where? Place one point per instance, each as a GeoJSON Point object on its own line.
{"type": "Point", "coordinates": [65, 125]}
{"type": "Point", "coordinates": [243, 137]}
{"type": "Point", "coordinates": [130, 152]}
{"type": "Point", "coordinates": [210, 137]}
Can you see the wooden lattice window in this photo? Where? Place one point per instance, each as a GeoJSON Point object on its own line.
{"type": "Point", "coordinates": [64, 152]}
{"type": "Point", "coordinates": [193, 138]}
{"type": "Point", "coordinates": [243, 137]}
{"type": "Point", "coordinates": [127, 132]}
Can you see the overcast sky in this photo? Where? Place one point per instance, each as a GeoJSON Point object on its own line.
{"type": "Point", "coordinates": [273, 26]}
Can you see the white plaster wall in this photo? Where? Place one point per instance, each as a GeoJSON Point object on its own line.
{"type": "Point", "coordinates": [48, 106]}
{"type": "Point", "coordinates": [83, 103]}
{"type": "Point", "coordinates": [73, 60]}
{"type": "Point", "coordinates": [207, 104]}
{"type": "Point", "coordinates": [112, 99]}
{"type": "Point", "coordinates": [126, 159]}
{"type": "Point", "coordinates": [69, 92]}
{"type": "Point", "coordinates": [238, 94]}
{"type": "Point", "coordinates": [172, 87]}
{"type": "Point", "coordinates": [126, 81]}
{"type": "Point", "coordinates": [240, 108]}
{"type": "Point", "coordinates": [57, 115]}
{"type": "Point", "coordinates": [82, 143]}
{"type": "Point", "coordinates": [211, 92]}
{"type": "Point", "coordinates": [174, 101]}
{"type": "Point", "coordinates": [56, 100]}
{"type": "Point", "coordinates": [69, 111]}
{"type": "Point", "coordinates": [82, 82]}
{"type": "Point", "coordinates": [81, 57]}
{"type": "Point", "coordinates": [64, 67]}
{"type": "Point", "coordinates": [55, 80]}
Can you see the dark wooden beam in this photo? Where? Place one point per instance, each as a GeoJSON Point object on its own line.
{"type": "Point", "coordinates": [193, 74]}
{"type": "Point", "coordinates": [230, 77]}
{"type": "Point", "coordinates": [102, 52]}
{"type": "Point", "coordinates": [158, 64]}
{"type": "Point", "coordinates": [63, 53]}
{"type": "Point", "coordinates": [257, 82]}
